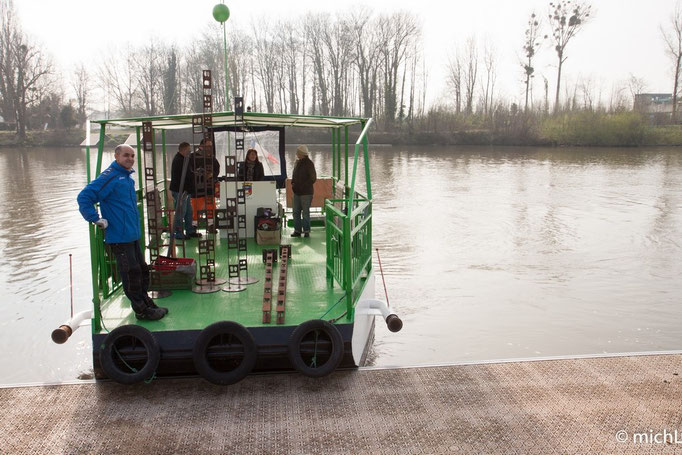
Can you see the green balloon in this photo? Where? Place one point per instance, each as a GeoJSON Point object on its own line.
{"type": "Point", "coordinates": [221, 12]}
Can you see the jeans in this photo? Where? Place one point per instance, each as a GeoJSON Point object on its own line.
{"type": "Point", "coordinates": [185, 215]}
{"type": "Point", "coordinates": [134, 273]}
{"type": "Point", "coordinates": [302, 204]}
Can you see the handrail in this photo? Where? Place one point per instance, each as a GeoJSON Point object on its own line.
{"type": "Point", "coordinates": [364, 131]}
{"type": "Point", "coordinates": [349, 244]}
{"type": "Point", "coordinates": [362, 137]}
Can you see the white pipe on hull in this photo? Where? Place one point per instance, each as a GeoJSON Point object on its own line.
{"type": "Point", "coordinates": [380, 308]}
{"type": "Point", "coordinates": [61, 334]}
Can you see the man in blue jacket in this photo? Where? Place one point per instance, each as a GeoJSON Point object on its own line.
{"type": "Point", "coordinates": [114, 189]}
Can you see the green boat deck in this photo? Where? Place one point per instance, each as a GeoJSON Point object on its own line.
{"type": "Point", "coordinates": [310, 295]}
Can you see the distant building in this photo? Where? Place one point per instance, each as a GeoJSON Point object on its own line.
{"type": "Point", "coordinates": [657, 106]}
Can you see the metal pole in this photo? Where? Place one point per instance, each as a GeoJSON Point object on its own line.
{"type": "Point", "coordinates": [227, 79]}
{"type": "Point", "coordinates": [87, 149]}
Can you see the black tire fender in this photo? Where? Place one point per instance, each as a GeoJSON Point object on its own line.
{"type": "Point", "coordinates": [312, 332]}
{"type": "Point", "coordinates": [204, 342]}
{"type": "Point", "coordinates": [119, 369]}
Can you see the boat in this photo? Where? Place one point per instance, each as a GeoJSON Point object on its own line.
{"type": "Point", "coordinates": [239, 302]}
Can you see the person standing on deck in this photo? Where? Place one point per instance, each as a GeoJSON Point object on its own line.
{"type": "Point", "coordinates": [182, 184]}
{"type": "Point", "coordinates": [114, 189]}
{"type": "Point", "coordinates": [302, 180]}
{"type": "Point", "coordinates": [206, 169]}
{"type": "Point", "coordinates": [251, 169]}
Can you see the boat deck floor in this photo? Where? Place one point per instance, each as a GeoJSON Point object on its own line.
{"type": "Point", "coordinates": [589, 405]}
{"type": "Point", "coordinates": [309, 295]}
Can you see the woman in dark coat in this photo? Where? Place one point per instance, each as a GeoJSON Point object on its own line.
{"type": "Point", "coordinates": [251, 170]}
{"type": "Point", "coordinates": [302, 180]}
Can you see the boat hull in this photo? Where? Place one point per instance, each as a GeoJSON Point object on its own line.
{"type": "Point", "coordinates": [272, 344]}
{"type": "Point", "coordinates": [272, 347]}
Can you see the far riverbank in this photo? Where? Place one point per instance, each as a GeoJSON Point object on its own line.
{"type": "Point", "coordinates": [585, 129]}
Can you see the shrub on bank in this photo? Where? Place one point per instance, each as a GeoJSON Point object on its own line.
{"type": "Point", "coordinates": [585, 128]}
{"type": "Point", "coordinates": [664, 135]}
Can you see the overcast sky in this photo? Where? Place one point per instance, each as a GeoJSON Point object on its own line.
{"type": "Point", "coordinates": [622, 38]}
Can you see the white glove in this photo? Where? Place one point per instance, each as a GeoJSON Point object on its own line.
{"type": "Point", "coordinates": [102, 223]}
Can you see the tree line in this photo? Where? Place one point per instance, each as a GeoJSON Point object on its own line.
{"type": "Point", "coordinates": [360, 63]}
{"type": "Point", "coordinates": [320, 65]}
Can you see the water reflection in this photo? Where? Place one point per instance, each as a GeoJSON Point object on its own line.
{"type": "Point", "coordinates": [487, 253]}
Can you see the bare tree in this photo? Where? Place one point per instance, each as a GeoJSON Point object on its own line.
{"type": "Point", "coordinates": [24, 70]}
{"type": "Point", "coordinates": [315, 26]}
{"type": "Point", "coordinates": [148, 76]}
{"type": "Point", "coordinates": [116, 75]}
{"type": "Point", "coordinates": [636, 85]}
{"type": "Point", "coordinates": [304, 68]}
{"type": "Point", "coordinates": [81, 87]}
{"type": "Point", "coordinates": [587, 91]}
{"type": "Point", "coordinates": [455, 80]}
{"type": "Point", "coordinates": [338, 51]}
{"type": "Point", "coordinates": [292, 49]}
{"type": "Point", "coordinates": [618, 99]}
{"type": "Point", "coordinates": [546, 85]}
{"type": "Point", "coordinates": [673, 44]}
{"type": "Point", "coordinates": [489, 60]}
{"type": "Point", "coordinates": [367, 54]}
{"type": "Point", "coordinates": [204, 54]}
{"type": "Point", "coordinates": [530, 46]}
{"type": "Point", "coordinates": [267, 62]}
{"type": "Point", "coordinates": [397, 31]}
{"type": "Point", "coordinates": [170, 81]}
{"type": "Point", "coordinates": [413, 85]}
{"type": "Point", "coordinates": [470, 73]}
{"type": "Point", "coordinates": [190, 77]}
{"type": "Point", "coordinates": [566, 18]}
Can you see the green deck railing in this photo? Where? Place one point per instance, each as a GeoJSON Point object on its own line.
{"type": "Point", "coordinates": [349, 224]}
{"type": "Point", "coordinates": [349, 245]}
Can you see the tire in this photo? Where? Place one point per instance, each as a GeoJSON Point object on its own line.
{"type": "Point", "coordinates": [314, 341]}
{"type": "Point", "coordinates": [224, 353]}
{"type": "Point", "coordinates": [129, 354]}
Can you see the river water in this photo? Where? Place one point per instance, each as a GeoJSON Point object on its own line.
{"type": "Point", "coordinates": [488, 253]}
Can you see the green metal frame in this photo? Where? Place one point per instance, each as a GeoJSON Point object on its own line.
{"type": "Point", "coordinates": [348, 217]}
{"type": "Point", "coordinates": [228, 118]}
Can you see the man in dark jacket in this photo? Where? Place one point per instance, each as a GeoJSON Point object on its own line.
{"type": "Point", "coordinates": [205, 169]}
{"type": "Point", "coordinates": [182, 181]}
{"type": "Point", "coordinates": [114, 189]}
{"type": "Point", "coordinates": [302, 180]}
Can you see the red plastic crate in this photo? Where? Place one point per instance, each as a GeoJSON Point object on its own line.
{"type": "Point", "coordinates": [172, 273]}
{"type": "Point", "coordinates": [164, 263]}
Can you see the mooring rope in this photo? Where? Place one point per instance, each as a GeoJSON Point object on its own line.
{"type": "Point", "coordinates": [382, 278]}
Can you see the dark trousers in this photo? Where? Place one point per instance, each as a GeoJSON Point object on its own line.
{"type": "Point", "coordinates": [134, 273]}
